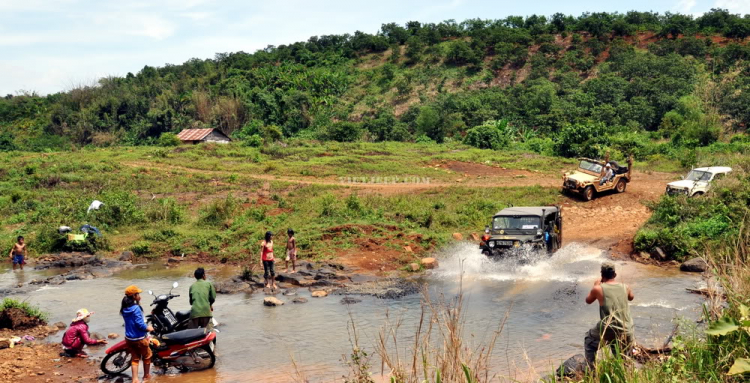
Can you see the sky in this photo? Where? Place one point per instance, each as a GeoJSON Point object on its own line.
{"type": "Point", "coordinates": [52, 46]}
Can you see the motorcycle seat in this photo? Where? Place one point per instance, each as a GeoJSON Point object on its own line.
{"type": "Point", "coordinates": [182, 315]}
{"type": "Point", "coordinates": [184, 336]}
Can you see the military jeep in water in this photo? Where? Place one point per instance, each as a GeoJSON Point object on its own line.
{"type": "Point", "coordinates": [539, 228]}
{"type": "Point", "coordinates": [587, 179]}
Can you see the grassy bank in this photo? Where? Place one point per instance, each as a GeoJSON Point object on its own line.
{"type": "Point", "coordinates": [219, 200]}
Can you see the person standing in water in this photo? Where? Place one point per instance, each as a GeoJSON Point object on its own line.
{"type": "Point", "coordinates": [202, 297]}
{"type": "Point", "coordinates": [18, 253]}
{"type": "Point", "coordinates": [291, 251]}
{"type": "Point", "coordinates": [136, 332]}
{"type": "Point", "coordinates": [267, 261]}
{"type": "Point", "coordinates": [615, 326]}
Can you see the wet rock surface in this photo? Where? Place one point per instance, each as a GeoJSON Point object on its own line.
{"type": "Point", "coordinates": [387, 288]}
{"type": "Point", "coordinates": [299, 300]}
{"type": "Point", "coordinates": [272, 301]}
{"type": "Point", "coordinates": [349, 301]}
{"type": "Point", "coordinates": [695, 265]}
{"type": "Point", "coordinates": [232, 287]}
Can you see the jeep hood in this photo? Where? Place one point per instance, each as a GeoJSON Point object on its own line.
{"type": "Point", "coordinates": [581, 177]}
{"type": "Point", "coordinates": [682, 184]}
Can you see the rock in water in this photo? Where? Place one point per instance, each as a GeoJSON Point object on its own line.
{"type": "Point", "coordinates": [319, 294]}
{"type": "Point", "coordinates": [97, 336]}
{"type": "Point", "coordinates": [576, 364]}
{"type": "Point", "coordinates": [231, 287]}
{"type": "Point", "coordinates": [299, 300]}
{"type": "Point", "coordinates": [272, 301]}
{"type": "Point", "coordinates": [695, 265]}
{"type": "Point", "coordinates": [349, 300]}
{"type": "Point", "coordinates": [458, 236]}
{"type": "Point", "coordinates": [429, 263]}
{"type": "Point", "coordinates": [60, 325]}
{"type": "Point", "coordinates": [126, 256]}
{"type": "Point", "coordinates": [414, 267]}
{"type": "Point", "coordinates": [112, 336]}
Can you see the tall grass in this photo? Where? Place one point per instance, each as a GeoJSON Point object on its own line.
{"type": "Point", "coordinates": [439, 352]}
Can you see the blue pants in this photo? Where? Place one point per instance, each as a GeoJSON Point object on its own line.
{"type": "Point", "coordinates": [18, 259]}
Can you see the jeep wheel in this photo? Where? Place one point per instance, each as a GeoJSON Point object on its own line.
{"type": "Point", "coordinates": [620, 187]}
{"type": "Point", "coordinates": [588, 193]}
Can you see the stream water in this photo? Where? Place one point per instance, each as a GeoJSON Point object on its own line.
{"type": "Point", "coordinates": [545, 325]}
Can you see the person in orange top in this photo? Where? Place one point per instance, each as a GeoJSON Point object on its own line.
{"type": "Point", "coordinates": [267, 261]}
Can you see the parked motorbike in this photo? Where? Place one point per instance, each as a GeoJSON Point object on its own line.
{"type": "Point", "coordinates": [162, 318]}
{"type": "Point", "coordinates": [187, 350]}
{"type": "Point", "coordinates": [172, 344]}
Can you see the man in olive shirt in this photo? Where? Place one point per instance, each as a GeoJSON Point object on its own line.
{"type": "Point", "coordinates": [615, 325]}
{"type": "Point", "coordinates": [202, 297]}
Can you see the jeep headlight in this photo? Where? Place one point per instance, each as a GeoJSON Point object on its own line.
{"type": "Point", "coordinates": [492, 243]}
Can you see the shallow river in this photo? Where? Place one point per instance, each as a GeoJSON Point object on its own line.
{"type": "Point", "coordinates": [261, 344]}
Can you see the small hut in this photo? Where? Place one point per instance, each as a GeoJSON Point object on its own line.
{"type": "Point", "coordinates": [194, 136]}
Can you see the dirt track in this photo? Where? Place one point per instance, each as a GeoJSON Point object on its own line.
{"type": "Point", "coordinates": [607, 222]}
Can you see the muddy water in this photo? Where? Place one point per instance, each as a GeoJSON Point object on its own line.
{"type": "Point", "coordinates": [257, 343]}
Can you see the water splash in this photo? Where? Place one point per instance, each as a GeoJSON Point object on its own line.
{"type": "Point", "coordinates": [574, 262]}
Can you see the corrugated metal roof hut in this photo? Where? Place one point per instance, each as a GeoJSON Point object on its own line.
{"type": "Point", "coordinates": [194, 136]}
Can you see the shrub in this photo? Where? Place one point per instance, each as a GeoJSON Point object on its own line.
{"type": "Point", "coordinates": [168, 139]}
{"type": "Point", "coordinates": [141, 248]}
{"type": "Point", "coordinates": [254, 141]}
{"type": "Point", "coordinates": [490, 135]}
{"type": "Point", "coordinates": [581, 140]}
{"type": "Point", "coordinates": [120, 208]}
{"type": "Point", "coordinates": [219, 211]}
{"type": "Point", "coordinates": [344, 131]}
{"type": "Point", "coordinates": [32, 311]}
{"type": "Point", "coordinates": [166, 210]}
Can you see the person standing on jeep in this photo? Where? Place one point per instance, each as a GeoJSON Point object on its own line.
{"type": "Point", "coordinates": [608, 174]}
{"type": "Point", "coordinates": [615, 326]}
{"type": "Point", "coordinates": [18, 253]}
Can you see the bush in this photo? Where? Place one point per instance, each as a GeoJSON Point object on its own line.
{"type": "Point", "coordinates": [585, 140]}
{"type": "Point", "coordinates": [254, 141]}
{"type": "Point", "coordinates": [166, 210]}
{"type": "Point", "coordinates": [344, 131]}
{"type": "Point", "coordinates": [140, 248]}
{"type": "Point", "coordinates": [32, 311]}
{"type": "Point", "coordinates": [490, 135]}
{"type": "Point", "coordinates": [219, 211]}
{"type": "Point", "coordinates": [120, 208]}
{"type": "Point", "coordinates": [168, 139]}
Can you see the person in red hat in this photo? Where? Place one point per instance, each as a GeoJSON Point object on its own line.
{"type": "Point", "coordinates": [136, 331]}
{"type": "Point", "coordinates": [77, 335]}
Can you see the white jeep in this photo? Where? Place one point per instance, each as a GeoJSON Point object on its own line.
{"type": "Point", "coordinates": [697, 181]}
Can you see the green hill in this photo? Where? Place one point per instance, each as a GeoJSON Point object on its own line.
{"type": "Point", "coordinates": [639, 82]}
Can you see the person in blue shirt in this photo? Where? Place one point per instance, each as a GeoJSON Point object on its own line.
{"type": "Point", "coordinates": [136, 331]}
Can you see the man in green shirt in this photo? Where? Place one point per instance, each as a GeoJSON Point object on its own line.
{"type": "Point", "coordinates": [202, 297]}
{"type": "Point", "coordinates": [615, 326]}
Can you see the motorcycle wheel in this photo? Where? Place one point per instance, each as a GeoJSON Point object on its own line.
{"type": "Point", "coordinates": [116, 362]}
{"type": "Point", "coordinates": [204, 357]}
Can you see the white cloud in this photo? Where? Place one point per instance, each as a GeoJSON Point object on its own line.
{"type": "Point", "coordinates": [685, 6]}
{"type": "Point", "coordinates": [734, 6]}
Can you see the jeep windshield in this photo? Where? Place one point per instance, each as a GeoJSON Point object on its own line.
{"type": "Point", "coordinates": [697, 175]}
{"type": "Point", "coordinates": [590, 167]}
{"type": "Point", "coordinates": [516, 223]}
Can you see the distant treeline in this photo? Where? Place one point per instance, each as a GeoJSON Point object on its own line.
{"type": "Point", "coordinates": [561, 84]}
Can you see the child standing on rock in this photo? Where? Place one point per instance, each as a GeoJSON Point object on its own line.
{"type": "Point", "coordinates": [266, 259]}
{"type": "Point", "coordinates": [291, 252]}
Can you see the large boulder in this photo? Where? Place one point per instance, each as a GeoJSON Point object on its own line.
{"type": "Point", "coordinates": [429, 263]}
{"type": "Point", "coordinates": [695, 265]}
{"type": "Point", "coordinates": [272, 301]}
{"type": "Point", "coordinates": [231, 287]}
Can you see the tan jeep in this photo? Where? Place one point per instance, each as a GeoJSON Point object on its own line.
{"type": "Point", "coordinates": [586, 180]}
